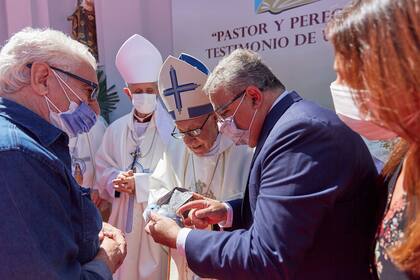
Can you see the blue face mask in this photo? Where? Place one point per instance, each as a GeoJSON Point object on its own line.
{"type": "Point", "coordinates": [77, 119]}
{"type": "Point", "coordinates": [81, 120]}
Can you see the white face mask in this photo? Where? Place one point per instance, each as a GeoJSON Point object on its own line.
{"type": "Point", "coordinates": [229, 128]}
{"type": "Point", "coordinates": [220, 145]}
{"type": "Point", "coordinates": [214, 150]}
{"type": "Point", "coordinates": [349, 113]}
{"type": "Point", "coordinates": [144, 103]}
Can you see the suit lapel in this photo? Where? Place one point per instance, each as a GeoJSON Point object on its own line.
{"type": "Point", "coordinates": [272, 117]}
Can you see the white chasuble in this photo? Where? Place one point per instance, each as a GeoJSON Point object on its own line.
{"type": "Point", "coordinates": [121, 150]}
{"type": "Point", "coordinates": [221, 175]}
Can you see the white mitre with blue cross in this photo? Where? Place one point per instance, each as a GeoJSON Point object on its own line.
{"type": "Point", "coordinates": [180, 83]}
{"type": "Point", "coordinates": [138, 60]}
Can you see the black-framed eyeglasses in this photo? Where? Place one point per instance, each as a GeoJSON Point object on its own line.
{"type": "Point", "coordinates": [95, 88]}
{"type": "Point", "coordinates": [191, 133]}
{"type": "Point", "coordinates": [219, 110]}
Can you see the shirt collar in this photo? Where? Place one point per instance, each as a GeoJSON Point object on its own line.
{"type": "Point", "coordinates": [23, 117]}
{"type": "Point", "coordinates": [152, 121]}
{"type": "Point", "coordinates": [284, 93]}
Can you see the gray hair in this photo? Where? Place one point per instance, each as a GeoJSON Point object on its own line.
{"type": "Point", "coordinates": [38, 45]}
{"type": "Point", "coordinates": [242, 68]}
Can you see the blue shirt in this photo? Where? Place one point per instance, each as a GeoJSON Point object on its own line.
{"type": "Point", "coordinates": [48, 226]}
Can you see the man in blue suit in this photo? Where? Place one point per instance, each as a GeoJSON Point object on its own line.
{"type": "Point", "coordinates": [308, 210]}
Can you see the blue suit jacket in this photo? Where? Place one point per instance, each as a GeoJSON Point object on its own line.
{"type": "Point", "coordinates": [306, 213]}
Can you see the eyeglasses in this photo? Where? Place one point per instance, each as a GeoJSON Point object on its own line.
{"type": "Point", "coordinates": [191, 133]}
{"type": "Point", "coordinates": [92, 96]}
{"type": "Point", "coordinates": [219, 110]}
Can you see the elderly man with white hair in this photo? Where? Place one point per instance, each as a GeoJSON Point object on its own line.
{"type": "Point", "coordinates": [49, 227]}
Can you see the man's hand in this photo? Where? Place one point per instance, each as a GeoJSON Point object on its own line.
{"type": "Point", "coordinates": [111, 254]}
{"type": "Point", "coordinates": [125, 182]}
{"type": "Point", "coordinates": [203, 212]}
{"type": "Point", "coordinates": [108, 229]}
{"type": "Point", "coordinates": [163, 230]}
{"type": "Point", "coordinates": [113, 233]}
{"type": "Point", "coordinates": [113, 248]}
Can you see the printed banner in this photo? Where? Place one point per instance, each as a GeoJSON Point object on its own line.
{"type": "Point", "coordinates": [289, 34]}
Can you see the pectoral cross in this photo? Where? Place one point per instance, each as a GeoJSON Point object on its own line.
{"type": "Point", "coordinates": [129, 221]}
{"type": "Point", "coordinates": [200, 188]}
{"type": "Point", "coordinates": [135, 154]}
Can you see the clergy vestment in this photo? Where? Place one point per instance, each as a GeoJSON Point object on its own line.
{"type": "Point", "coordinates": [221, 173]}
{"type": "Point", "coordinates": [82, 149]}
{"type": "Point", "coordinates": [220, 176]}
{"type": "Point", "coordinates": [145, 259]}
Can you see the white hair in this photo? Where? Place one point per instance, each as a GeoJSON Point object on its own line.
{"type": "Point", "coordinates": [242, 68]}
{"type": "Point", "coordinates": [38, 45]}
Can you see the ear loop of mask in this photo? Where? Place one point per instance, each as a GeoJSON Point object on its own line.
{"type": "Point", "coordinates": [237, 108]}
{"type": "Point", "coordinates": [49, 102]}
{"type": "Point", "coordinates": [60, 80]}
{"type": "Point", "coordinates": [252, 121]}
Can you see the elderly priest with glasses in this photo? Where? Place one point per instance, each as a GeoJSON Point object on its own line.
{"type": "Point", "coordinates": [198, 157]}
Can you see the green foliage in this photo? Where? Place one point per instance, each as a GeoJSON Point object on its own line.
{"type": "Point", "coordinates": [107, 97]}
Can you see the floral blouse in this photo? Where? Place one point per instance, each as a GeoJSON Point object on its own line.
{"type": "Point", "coordinates": [391, 233]}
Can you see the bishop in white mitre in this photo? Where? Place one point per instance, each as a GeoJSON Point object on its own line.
{"type": "Point", "coordinates": [130, 151]}
{"type": "Point", "coordinates": [198, 157]}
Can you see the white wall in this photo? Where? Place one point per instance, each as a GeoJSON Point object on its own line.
{"type": "Point", "coordinates": [3, 22]}
{"type": "Point", "coordinates": [17, 14]}
{"type": "Point", "coordinates": [58, 11]}
{"type": "Point", "coordinates": [302, 65]}
{"type": "Point", "coordinates": [117, 20]}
